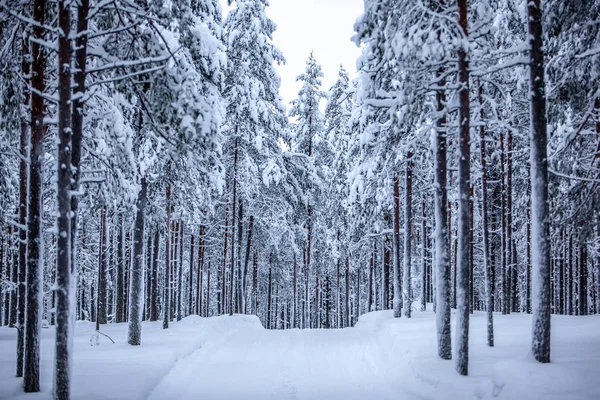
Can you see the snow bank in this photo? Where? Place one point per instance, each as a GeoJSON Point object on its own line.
{"type": "Point", "coordinates": [380, 358]}
{"type": "Point", "coordinates": [407, 349]}
{"type": "Point", "coordinates": [119, 371]}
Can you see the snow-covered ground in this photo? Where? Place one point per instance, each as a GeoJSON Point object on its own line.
{"type": "Point", "coordinates": [381, 358]}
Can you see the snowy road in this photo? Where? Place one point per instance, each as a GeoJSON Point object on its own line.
{"type": "Point", "coordinates": [294, 364]}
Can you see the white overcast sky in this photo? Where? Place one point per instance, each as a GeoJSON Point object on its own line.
{"type": "Point", "coordinates": [322, 26]}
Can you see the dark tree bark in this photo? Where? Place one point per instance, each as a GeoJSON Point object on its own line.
{"type": "Point", "coordinates": [269, 291]}
{"type": "Point", "coordinates": [347, 292]}
{"type": "Point", "coordinates": [406, 284]}
{"type": "Point", "coordinates": [222, 304]}
{"type": "Point", "coordinates": [528, 283]}
{"type": "Point", "coordinates": [540, 343]}
{"type": "Point", "coordinates": [247, 260]}
{"type": "Point", "coordinates": [102, 269]}
{"type": "Point", "coordinates": [180, 238]}
{"type": "Point", "coordinates": [191, 278]}
{"type": "Point", "coordinates": [199, 298]}
{"type": "Point", "coordinates": [583, 278]}
{"type": "Point", "coordinates": [154, 287]}
{"type": "Point", "coordinates": [370, 292]}
{"type": "Point", "coordinates": [503, 236]}
{"type": "Point", "coordinates": [233, 222]}
{"type": "Point", "coordinates": [396, 251]}
{"type": "Point", "coordinates": [34, 235]}
{"type": "Point", "coordinates": [167, 288]}
{"type": "Point", "coordinates": [423, 257]}
{"type": "Point", "coordinates": [489, 294]}
{"type": "Point", "coordinates": [386, 272]}
{"type": "Point", "coordinates": [463, 266]}
{"type": "Point", "coordinates": [21, 289]}
{"type": "Point", "coordinates": [255, 282]}
{"type": "Point", "coordinates": [136, 290]}
{"type": "Point", "coordinates": [63, 258]}
{"type": "Point", "coordinates": [120, 273]}
{"type": "Point", "coordinates": [442, 266]}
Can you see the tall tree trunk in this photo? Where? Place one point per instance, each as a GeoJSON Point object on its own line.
{"type": "Point", "coordinates": [101, 297]}
{"type": "Point", "coordinates": [22, 270]}
{"type": "Point", "coordinates": [64, 328]}
{"type": "Point", "coordinates": [167, 288]}
{"type": "Point", "coordinates": [255, 282]}
{"type": "Point", "coordinates": [370, 306]}
{"type": "Point", "coordinates": [119, 309]}
{"type": "Point", "coordinates": [489, 294]}
{"type": "Point", "coordinates": [269, 291]}
{"type": "Point", "coordinates": [386, 272]}
{"type": "Point", "coordinates": [442, 267]}
{"type": "Point", "coordinates": [511, 267]}
{"type": "Point", "coordinates": [308, 253]}
{"type": "Point", "coordinates": [347, 292]}
{"type": "Point", "coordinates": [294, 323]}
{"type": "Point", "coordinates": [233, 221]}
{"type": "Point", "coordinates": [503, 245]}
{"type": "Point", "coordinates": [190, 309]}
{"type": "Point", "coordinates": [199, 293]}
{"type": "Point", "coordinates": [247, 261]}
{"type": "Point", "coordinates": [154, 288]}
{"type": "Point", "coordinates": [136, 291]}
{"type": "Point", "coordinates": [406, 284]}
{"type": "Point", "coordinates": [180, 271]}
{"type": "Point", "coordinates": [463, 266]}
{"type": "Point", "coordinates": [583, 275]}
{"type": "Point", "coordinates": [32, 261]}
{"type": "Point", "coordinates": [540, 343]}
{"type": "Point", "coordinates": [423, 254]}
{"type": "Point", "coordinates": [222, 307]}
{"type": "Point", "coordinates": [396, 251]}
{"type": "Point", "coordinates": [528, 283]}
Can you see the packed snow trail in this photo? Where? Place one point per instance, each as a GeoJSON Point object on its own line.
{"type": "Point", "coordinates": [381, 358]}
{"type": "Point", "coordinates": [257, 364]}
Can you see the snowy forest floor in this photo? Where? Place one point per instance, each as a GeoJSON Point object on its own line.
{"type": "Point", "coordinates": [380, 358]}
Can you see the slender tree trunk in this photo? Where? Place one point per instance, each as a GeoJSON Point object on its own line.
{"type": "Point", "coordinates": [247, 261]}
{"type": "Point", "coordinates": [386, 272]}
{"type": "Point", "coordinates": [463, 266]}
{"type": "Point", "coordinates": [295, 303]}
{"type": "Point", "coordinates": [255, 282]}
{"type": "Point", "coordinates": [396, 251]}
{"type": "Point", "coordinates": [119, 311]}
{"type": "Point", "coordinates": [503, 245]}
{"type": "Point", "coordinates": [511, 267]}
{"type": "Point", "coordinates": [370, 292]}
{"type": "Point", "coordinates": [269, 292]}
{"type": "Point", "coordinates": [442, 267]}
{"type": "Point", "coordinates": [191, 278]}
{"type": "Point", "coordinates": [136, 290]}
{"type": "Point", "coordinates": [180, 271]}
{"type": "Point", "coordinates": [233, 221]}
{"type": "Point", "coordinates": [224, 267]}
{"type": "Point", "coordinates": [540, 343]}
{"type": "Point", "coordinates": [101, 297]}
{"type": "Point", "coordinates": [583, 275]}
{"type": "Point", "coordinates": [167, 288]}
{"type": "Point", "coordinates": [155, 291]}
{"type": "Point", "coordinates": [62, 368]}
{"type": "Point", "coordinates": [308, 253]}
{"type": "Point", "coordinates": [489, 294]}
{"type": "Point", "coordinates": [423, 257]}
{"type": "Point", "coordinates": [528, 283]}
{"type": "Point", "coordinates": [406, 284]}
{"type": "Point", "coordinates": [347, 292]}
{"type": "Point", "coordinates": [239, 272]}
{"type": "Point", "coordinates": [30, 381]}
{"type": "Point", "coordinates": [200, 271]}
